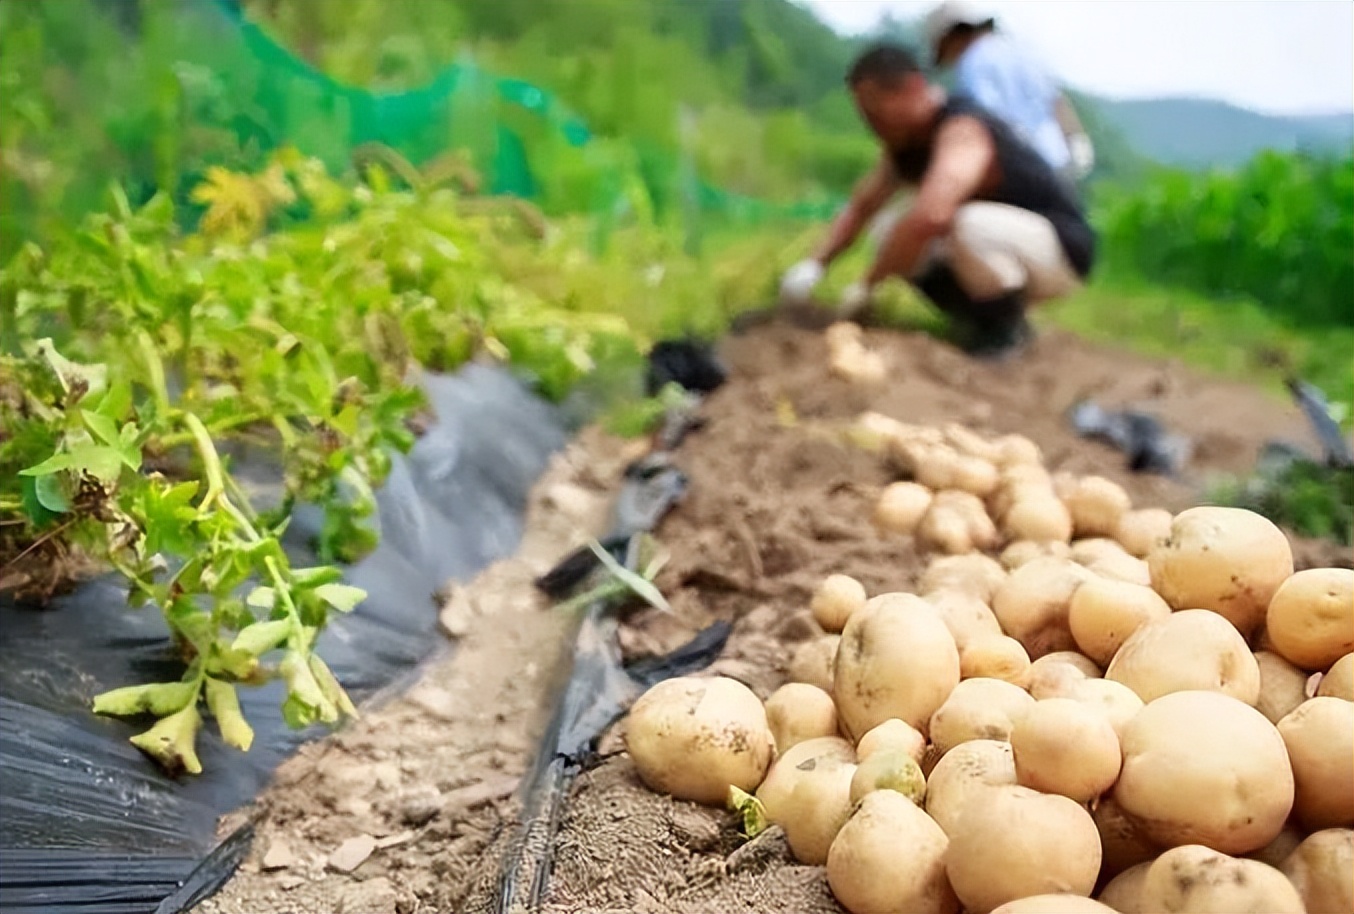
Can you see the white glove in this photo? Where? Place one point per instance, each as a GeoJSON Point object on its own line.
{"type": "Point", "coordinates": [801, 279]}
{"type": "Point", "coordinates": [1083, 154]}
{"type": "Point", "coordinates": [855, 300]}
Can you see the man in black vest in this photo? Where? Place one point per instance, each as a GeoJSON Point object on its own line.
{"type": "Point", "coordinates": [992, 228]}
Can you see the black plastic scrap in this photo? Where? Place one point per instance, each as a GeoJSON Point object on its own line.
{"type": "Point", "coordinates": [1314, 405]}
{"type": "Point", "coordinates": [1143, 439]}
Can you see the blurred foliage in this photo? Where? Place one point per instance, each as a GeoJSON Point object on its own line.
{"type": "Point", "coordinates": [1306, 496]}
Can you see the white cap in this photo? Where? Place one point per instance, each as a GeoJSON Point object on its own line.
{"type": "Point", "coordinates": [949, 14]}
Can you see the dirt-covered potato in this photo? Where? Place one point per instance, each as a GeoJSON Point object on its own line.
{"type": "Point", "coordinates": [1116, 701]}
{"type": "Point", "coordinates": [1140, 531]}
{"type": "Point", "coordinates": [1310, 620]}
{"type": "Point", "coordinates": [1321, 868]}
{"type": "Point", "coordinates": [1204, 768]}
{"type": "Point", "coordinates": [1320, 740]}
{"type": "Point", "coordinates": [891, 769]}
{"type": "Point", "coordinates": [1054, 904]}
{"type": "Point", "coordinates": [812, 661]}
{"type": "Point", "coordinates": [901, 506]}
{"type": "Point", "coordinates": [994, 657]}
{"type": "Point", "coordinates": [866, 871]}
{"type": "Point", "coordinates": [1032, 604]}
{"type": "Point", "coordinates": [1024, 551]}
{"type": "Point", "coordinates": [1096, 505]}
{"type": "Point", "coordinates": [1123, 893]}
{"type": "Point", "coordinates": [946, 530]}
{"type": "Point", "coordinates": [695, 736]}
{"type": "Point", "coordinates": [1063, 746]}
{"type": "Point", "coordinates": [1018, 842]}
{"type": "Point", "coordinates": [1017, 450]}
{"type": "Point", "coordinates": [1194, 649]}
{"type": "Point", "coordinates": [1282, 686]}
{"type": "Point", "coordinates": [1103, 613]}
{"type": "Point", "coordinates": [798, 711]}
{"type": "Point", "coordinates": [1229, 560]}
{"type": "Point", "coordinates": [818, 806]}
{"type": "Point", "coordinates": [1195, 878]}
{"type": "Point", "coordinates": [895, 660]}
{"type": "Point", "coordinates": [974, 574]}
{"type": "Point", "coordinates": [1339, 680]}
{"type": "Point", "coordinates": [836, 598]}
{"type": "Point", "coordinates": [967, 617]}
{"type": "Point", "coordinates": [1038, 518]}
{"type": "Point", "coordinates": [892, 734]}
{"type": "Point", "coordinates": [963, 775]}
{"type": "Point", "coordinates": [1122, 841]}
{"type": "Point", "coordinates": [775, 790]}
{"type": "Point", "coordinates": [1052, 678]}
{"type": "Point", "coordinates": [978, 709]}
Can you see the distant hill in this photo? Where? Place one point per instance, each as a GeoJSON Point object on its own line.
{"type": "Point", "coordinates": [1196, 133]}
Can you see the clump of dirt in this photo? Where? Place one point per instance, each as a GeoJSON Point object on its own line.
{"type": "Point", "coordinates": [778, 500]}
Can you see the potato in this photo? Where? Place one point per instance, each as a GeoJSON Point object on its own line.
{"type": "Point", "coordinates": [1204, 768]}
{"type": "Point", "coordinates": [978, 709]}
{"type": "Point", "coordinates": [888, 857]}
{"type": "Point", "coordinates": [1096, 505]}
{"type": "Point", "coordinates": [1103, 613]}
{"type": "Point", "coordinates": [964, 775]}
{"type": "Point", "coordinates": [1322, 870]}
{"type": "Point", "coordinates": [1078, 661]}
{"type": "Point", "coordinates": [775, 791]}
{"type": "Point", "coordinates": [934, 466]}
{"type": "Point", "coordinates": [1282, 686]}
{"type": "Point", "coordinates": [1310, 621]}
{"type": "Point", "coordinates": [894, 661]}
{"type": "Point", "coordinates": [693, 737]}
{"type": "Point", "coordinates": [981, 532]}
{"type": "Point", "coordinates": [1062, 746]}
{"type": "Point", "coordinates": [835, 600]}
{"type": "Point", "coordinates": [1199, 879]}
{"type": "Point", "coordinates": [1320, 740]}
{"type": "Point", "coordinates": [818, 806]}
{"type": "Point", "coordinates": [892, 734]}
{"type": "Point", "coordinates": [1032, 604]}
{"type": "Point", "coordinates": [892, 769]}
{"type": "Point", "coordinates": [1229, 560]}
{"type": "Point", "coordinates": [994, 657]}
{"type": "Point", "coordinates": [1019, 487]}
{"type": "Point", "coordinates": [1018, 842]}
{"type": "Point", "coordinates": [1193, 649]}
{"type": "Point", "coordinates": [1038, 518]}
{"type": "Point", "coordinates": [798, 711]}
{"type": "Point", "coordinates": [1139, 531]}
{"type": "Point", "coordinates": [1123, 843]}
{"type": "Point", "coordinates": [967, 617]}
{"type": "Point", "coordinates": [970, 443]}
{"type": "Point", "coordinates": [1017, 450]}
{"type": "Point", "coordinates": [977, 575]}
{"type": "Point", "coordinates": [1093, 549]}
{"type": "Point", "coordinates": [1122, 568]}
{"type": "Point", "coordinates": [945, 529]}
{"type": "Point", "coordinates": [901, 507]}
{"type": "Point", "coordinates": [1339, 680]}
{"type": "Point", "coordinates": [1024, 551]}
{"type": "Point", "coordinates": [1123, 893]}
{"type": "Point", "coordinates": [812, 662]}
{"type": "Point", "coordinates": [1116, 701]}
{"type": "Point", "coordinates": [1054, 904]}
{"type": "Point", "coordinates": [975, 476]}
{"type": "Point", "coordinates": [859, 366]}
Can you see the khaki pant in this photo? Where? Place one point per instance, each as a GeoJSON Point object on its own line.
{"type": "Point", "coordinates": [994, 249]}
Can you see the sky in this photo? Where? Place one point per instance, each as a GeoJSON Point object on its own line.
{"type": "Point", "coordinates": [1274, 56]}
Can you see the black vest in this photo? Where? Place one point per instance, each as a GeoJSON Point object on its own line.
{"type": "Point", "coordinates": [1027, 181]}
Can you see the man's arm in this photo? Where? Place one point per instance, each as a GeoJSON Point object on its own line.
{"type": "Point", "coordinates": [962, 159]}
{"type": "Point", "coordinates": [1078, 141]}
{"type": "Point", "coordinates": [868, 198]}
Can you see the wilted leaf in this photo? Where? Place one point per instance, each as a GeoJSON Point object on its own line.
{"type": "Point", "coordinates": [158, 698]}
{"type": "Point", "coordinates": [225, 707]}
{"type": "Point", "coordinates": [171, 741]}
{"type": "Point", "coordinates": [331, 687]}
{"type": "Point", "coordinates": [751, 812]}
{"type": "Point", "coordinates": [306, 702]}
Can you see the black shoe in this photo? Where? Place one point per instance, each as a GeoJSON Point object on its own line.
{"type": "Point", "coordinates": [998, 328]}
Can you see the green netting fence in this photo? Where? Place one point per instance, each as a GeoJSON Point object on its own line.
{"type": "Point", "coordinates": [224, 92]}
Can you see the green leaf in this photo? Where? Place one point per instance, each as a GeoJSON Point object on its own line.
{"type": "Point", "coordinates": [642, 588]}
{"type": "Point", "coordinates": [38, 514]}
{"type": "Point", "coordinates": [51, 493]}
{"type": "Point", "coordinates": [225, 707]}
{"type": "Point", "coordinates": [73, 376]}
{"type": "Point", "coordinates": [262, 637]}
{"type": "Point", "coordinates": [116, 401]}
{"type": "Point", "coordinates": [104, 428]}
{"type": "Point", "coordinates": [306, 702]}
{"type": "Point", "coordinates": [63, 460]}
{"type": "Point", "coordinates": [171, 741]}
{"type": "Point", "coordinates": [233, 664]}
{"type": "Point", "coordinates": [192, 623]}
{"type": "Point", "coordinates": [342, 597]}
{"type": "Point", "coordinates": [158, 698]}
{"type": "Point", "coordinates": [262, 598]}
{"type": "Point", "coordinates": [751, 812]}
{"type": "Point", "coordinates": [346, 420]}
{"type": "Point", "coordinates": [309, 578]}
{"type": "Point", "coordinates": [329, 684]}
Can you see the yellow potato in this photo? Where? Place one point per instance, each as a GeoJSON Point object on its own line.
{"type": "Point", "coordinates": [1116, 701]}
{"type": "Point", "coordinates": [776, 788]}
{"type": "Point", "coordinates": [1038, 518]}
{"type": "Point", "coordinates": [1195, 878]}
{"type": "Point", "coordinates": [1188, 650]}
{"type": "Point", "coordinates": [1320, 740]}
{"type": "Point", "coordinates": [1282, 686]}
{"type": "Point", "coordinates": [891, 769]}
{"type": "Point", "coordinates": [1140, 531]}
{"type": "Point", "coordinates": [994, 657]}
{"type": "Point", "coordinates": [967, 617]}
{"type": "Point", "coordinates": [1123, 842]}
{"type": "Point", "coordinates": [835, 600]}
{"type": "Point", "coordinates": [1096, 505]}
{"type": "Point", "coordinates": [1104, 613]}
{"type": "Point", "coordinates": [1023, 551]}
{"type": "Point", "coordinates": [1065, 747]}
{"type": "Point", "coordinates": [868, 875]}
{"type": "Point", "coordinates": [1321, 868]}
{"type": "Point", "coordinates": [892, 734]}
{"type": "Point", "coordinates": [977, 575]}
{"type": "Point", "coordinates": [1054, 904]}
{"type": "Point", "coordinates": [901, 507]}
{"type": "Point", "coordinates": [1123, 893]}
{"type": "Point", "coordinates": [1339, 680]}
{"type": "Point", "coordinates": [797, 712]}
{"type": "Point", "coordinates": [1311, 617]}
{"type": "Point", "coordinates": [965, 775]}
{"type": "Point", "coordinates": [1032, 604]}
{"type": "Point", "coordinates": [979, 709]}
{"type": "Point", "coordinates": [812, 662]}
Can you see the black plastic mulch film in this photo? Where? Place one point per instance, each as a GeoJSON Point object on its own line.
{"type": "Point", "coordinates": [88, 825]}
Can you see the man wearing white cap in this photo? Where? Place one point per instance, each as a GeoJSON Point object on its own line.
{"type": "Point", "coordinates": [997, 74]}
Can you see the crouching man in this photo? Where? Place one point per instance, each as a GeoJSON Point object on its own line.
{"type": "Point", "coordinates": [992, 229]}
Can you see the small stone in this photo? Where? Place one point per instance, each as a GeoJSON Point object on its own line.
{"type": "Point", "coordinates": [395, 840]}
{"type": "Point", "coordinates": [371, 896]}
{"type": "Point", "coordinates": [420, 805]}
{"type": "Point", "coordinates": [352, 853]}
{"type": "Point", "coordinates": [456, 613]}
{"type": "Point", "coordinates": [278, 856]}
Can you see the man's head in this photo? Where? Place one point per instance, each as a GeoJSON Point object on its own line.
{"type": "Point", "coordinates": [892, 94]}
{"type": "Point", "coordinates": [952, 26]}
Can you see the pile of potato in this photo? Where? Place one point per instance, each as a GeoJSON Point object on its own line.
{"type": "Point", "coordinates": [1078, 699]}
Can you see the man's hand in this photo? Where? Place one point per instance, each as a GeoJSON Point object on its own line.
{"type": "Point", "coordinates": [1083, 154]}
{"type": "Point", "coordinates": [800, 280]}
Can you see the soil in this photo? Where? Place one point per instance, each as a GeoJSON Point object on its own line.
{"type": "Point", "coordinates": [404, 810]}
